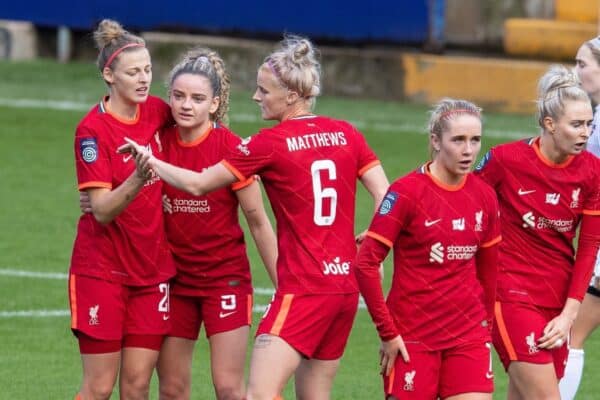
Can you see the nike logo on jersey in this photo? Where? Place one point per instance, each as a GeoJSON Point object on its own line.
{"type": "Point", "coordinates": [524, 192]}
{"type": "Point", "coordinates": [489, 375]}
{"type": "Point", "coordinates": [127, 158]}
{"type": "Point", "coordinates": [165, 317]}
{"type": "Point", "coordinates": [226, 314]}
{"type": "Point", "coordinates": [430, 223]}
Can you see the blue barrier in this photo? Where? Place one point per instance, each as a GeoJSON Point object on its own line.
{"type": "Point", "coordinates": [355, 20]}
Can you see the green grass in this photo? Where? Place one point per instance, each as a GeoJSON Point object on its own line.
{"type": "Point", "coordinates": [39, 209]}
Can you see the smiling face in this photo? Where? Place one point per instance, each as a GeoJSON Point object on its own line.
{"type": "Point", "coordinates": [570, 132]}
{"type": "Point", "coordinates": [588, 70]}
{"type": "Point", "coordinates": [192, 101]}
{"type": "Point", "coordinates": [130, 76]}
{"type": "Point", "coordinates": [457, 148]}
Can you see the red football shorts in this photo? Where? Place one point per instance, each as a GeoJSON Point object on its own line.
{"type": "Point", "coordinates": [466, 368]}
{"type": "Point", "coordinates": [221, 311]}
{"type": "Point", "coordinates": [109, 311]}
{"type": "Point", "coordinates": [317, 326]}
{"type": "Point", "coordinates": [517, 328]}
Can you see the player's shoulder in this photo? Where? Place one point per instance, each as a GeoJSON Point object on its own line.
{"type": "Point", "coordinates": [477, 184]}
{"type": "Point", "coordinates": [92, 121]}
{"type": "Point", "coordinates": [414, 181]}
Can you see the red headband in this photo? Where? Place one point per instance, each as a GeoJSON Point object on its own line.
{"type": "Point", "coordinates": [119, 50]}
{"type": "Point", "coordinates": [271, 66]}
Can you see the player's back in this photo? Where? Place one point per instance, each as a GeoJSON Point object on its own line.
{"type": "Point", "coordinates": [309, 167]}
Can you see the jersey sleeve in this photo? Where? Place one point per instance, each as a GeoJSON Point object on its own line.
{"type": "Point", "coordinates": [92, 160]}
{"type": "Point", "coordinates": [391, 216]}
{"type": "Point", "coordinates": [250, 157]}
{"type": "Point", "coordinates": [490, 168]}
{"type": "Point", "coordinates": [591, 203]}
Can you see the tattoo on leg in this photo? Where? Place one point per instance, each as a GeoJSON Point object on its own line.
{"type": "Point", "coordinates": [262, 341]}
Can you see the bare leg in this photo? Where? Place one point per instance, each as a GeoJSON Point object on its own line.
{"type": "Point", "coordinates": [227, 360]}
{"type": "Point", "coordinates": [534, 381]}
{"type": "Point", "coordinates": [99, 375]}
{"type": "Point", "coordinates": [137, 365]}
{"type": "Point", "coordinates": [273, 363]}
{"type": "Point", "coordinates": [175, 368]}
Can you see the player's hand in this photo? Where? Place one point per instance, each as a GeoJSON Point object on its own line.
{"type": "Point", "coordinates": [389, 351]}
{"type": "Point", "coordinates": [143, 158]}
{"type": "Point", "coordinates": [360, 238]}
{"type": "Point", "coordinates": [85, 205]}
{"type": "Point", "coordinates": [555, 332]}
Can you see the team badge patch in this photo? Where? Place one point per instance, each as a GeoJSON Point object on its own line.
{"type": "Point", "coordinates": [89, 149]}
{"type": "Point", "coordinates": [484, 161]}
{"type": "Point", "coordinates": [388, 203]}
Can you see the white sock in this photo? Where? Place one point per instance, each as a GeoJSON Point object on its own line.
{"type": "Point", "coordinates": [570, 382]}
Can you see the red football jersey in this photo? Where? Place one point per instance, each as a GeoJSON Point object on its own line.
{"type": "Point", "coordinates": [132, 249]}
{"type": "Point", "coordinates": [435, 231]}
{"type": "Point", "coordinates": [204, 231]}
{"type": "Point", "coordinates": [309, 167]}
{"type": "Point", "coordinates": [541, 205]}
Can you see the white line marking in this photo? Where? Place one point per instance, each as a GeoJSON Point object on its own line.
{"type": "Point", "coordinates": [33, 274]}
{"type": "Point", "coordinates": [392, 127]}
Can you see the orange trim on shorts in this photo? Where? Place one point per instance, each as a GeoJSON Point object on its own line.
{"type": "Point", "coordinates": [233, 170]}
{"type": "Point", "coordinates": [380, 238]}
{"type": "Point", "coordinates": [94, 184]}
{"type": "Point", "coordinates": [368, 167]}
{"type": "Point", "coordinates": [278, 398]}
{"type": "Point", "coordinates": [282, 315]}
{"type": "Point", "coordinates": [591, 212]}
{"type": "Point", "coordinates": [73, 301]}
{"type": "Point", "coordinates": [512, 354]}
{"type": "Point", "coordinates": [78, 397]}
{"type": "Point", "coordinates": [249, 310]}
{"type": "Point", "coordinates": [391, 380]}
{"type": "Point", "coordinates": [491, 242]}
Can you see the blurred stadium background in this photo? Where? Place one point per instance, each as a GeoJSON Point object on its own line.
{"type": "Point", "coordinates": [383, 63]}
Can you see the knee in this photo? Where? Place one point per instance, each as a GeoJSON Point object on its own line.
{"type": "Point", "coordinates": [97, 391]}
{"type": "Point", "coordinates": [134, 387]}
{"type": "Point", "coordinates": [228, 393]}
{"type": "Point", "coordinates": [173, 389]}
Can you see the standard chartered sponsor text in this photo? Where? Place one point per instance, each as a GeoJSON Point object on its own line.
{"type": "Point", "coordinates": [191, 205]}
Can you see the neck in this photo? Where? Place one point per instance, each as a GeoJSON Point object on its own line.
{"type": "Point", "coordinates": [296, 110]}
{"type": "Point", "coordinates": [550, 151]}
{"type": "Point", "coordinates": [192, 134]}
{"type": "Point", "coordinates": [439, 172]}
{"type": "Point", "coordinates": [120, 107]}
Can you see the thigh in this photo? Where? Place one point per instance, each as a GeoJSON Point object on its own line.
{"type": "Point", "coordinates": [227, 310]}
{"type": "Point", "coordinates": [228, 357]}
{"type": "Point", "coordinates": [533, 381]}
{"type": "Point", "coordinates": [467, 369]}
{"type": "Point", "coordinates": [100, 370]}
{"type": "Point", "coordinates": [314, 379]}
{"type": "Point", "coordinates": [417, 379]}
{"type": "Point", "coordinates": [272, 364]}
{"type": "Point", "coordinates": [137, 366]}
{"type": "Point", "coordinates": [98, 307]}
{"type": "Point", "coordinates": [148, 310]}
{"type": "Point", "coordinates": [175, 359]}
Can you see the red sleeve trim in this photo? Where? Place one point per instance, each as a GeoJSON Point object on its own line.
{"type": "Point", "coordinates": [492, 242]}
{"type": "Point", "coordinates": [240, 185]}
{"type": "Point", "coordinates": [380, 239]}
{"type": "Point", "coordinates": [591, 212]}
{"type": "Point", "coordinates": [368, 167]}
{"type": "Point", "coordinates": [234, 171]}
{"type": "Point", "coordinates": [94, 184]}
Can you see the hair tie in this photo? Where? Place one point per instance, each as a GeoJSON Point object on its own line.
{"type": "Point", "coordinates": [118, 51]}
